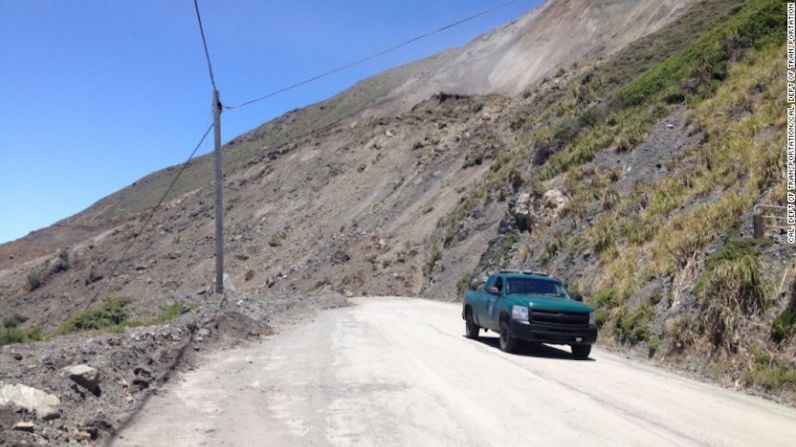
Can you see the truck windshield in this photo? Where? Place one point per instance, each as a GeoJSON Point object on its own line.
{"type": "Point", "coordinates": [530, 286]}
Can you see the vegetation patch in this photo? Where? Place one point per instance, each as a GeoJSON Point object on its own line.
{"type": "Point", "coordinates": [11, 332]}
{"type": "Point", "coordinates": [732, 288]}
{"type": "Point", "coordinates": [698, 70]}
{"type": "Point", "coordinates": [632, 327]}
{"type": "Point", "coordinates": [463, 284]}
{"type": "Point", "coordinates": [771, 373]}
{"type": "Point", "coordinates": [783, 326]}
{"type": "Point", "coordinates": [113, 316]}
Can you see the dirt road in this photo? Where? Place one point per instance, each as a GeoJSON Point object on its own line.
{"type": "Point", "coordinates": [399, 372]}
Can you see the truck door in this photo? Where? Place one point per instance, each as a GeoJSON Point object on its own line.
{"type": "Point", "coordinates": [481, 306]}
{"type": "Point", "coordinates": [493, 306]}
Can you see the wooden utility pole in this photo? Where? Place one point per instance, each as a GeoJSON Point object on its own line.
{"type": "Point", "coordinates": [219, 194]}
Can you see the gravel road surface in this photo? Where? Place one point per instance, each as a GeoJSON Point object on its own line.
{"type": "Point", "coordinates": [398, 371]}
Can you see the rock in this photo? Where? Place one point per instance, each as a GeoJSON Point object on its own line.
{"type": "Point", "coordinates": [340, 257]}
{"type": "Point", "coordinates": [523, 212]}
{"type": "Point", "coordinates": [555, 200]}
{"type": "Point", "coordinates": [17, 356]}
{"type": "Point", "coordinates": [24, 426]}
{"type": "Point", "coordinates": [85, 376]}
{"type": "Point", "coordinates": [44, 404]}
{"type": "Point", "coordinates": [527, 212]}
{"type": "Point", "coordinates": [81, 435]}
{"type": "Point", "coordinates": [7, 417]}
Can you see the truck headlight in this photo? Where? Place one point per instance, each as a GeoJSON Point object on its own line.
{"type": "Point", "coordinates": [519, 313]}
{"type": "Point", "coordinates": [592, 318]}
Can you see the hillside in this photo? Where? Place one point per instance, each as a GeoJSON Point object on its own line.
{"type": "Point", "coordinates": [626, 159]}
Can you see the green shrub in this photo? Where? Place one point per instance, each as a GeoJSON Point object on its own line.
{"type": "Point", "coordinates": [656, 296]}
{"type": "Point", "coordinates": [9, 335]}
{"type": "Point", "coordinates": [772, 377]}
{"type": "Point", "coordinates": [732, 287]}
{"type": "Point", "coordinates": [603, 299]}
{"type": "Point", "coordinates": [632, 327]}
{"type": "Point", "coordinates": [603, 234]}
{"type": "Point", "coordinates": [654, 343]}
{"type": "Point", "coordinates": [783, 326]}
{"type": "Point", "coordinates": [105, 316]}
{"type": "Point", "coordinates": [589, 117]}
{"type": "Point", "coordinates": [113, 316]}
{"type": "Point", "coordinates": [553, 247]}
{"type": "Point", "coordinates": [680, 330]}
{"type": "Point", "coordinates": [463, 284]}
{"type": "Point", "coordinates": [508, 244]}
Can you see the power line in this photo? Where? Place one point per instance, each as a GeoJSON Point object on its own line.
{"type": "Point", "coordinates": [152, 212]}
{"type": "Point", "coordinates": [372, 56]}
{"type": "Point", "coordinates": [204, 44]}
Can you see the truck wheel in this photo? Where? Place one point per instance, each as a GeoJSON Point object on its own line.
{"type": "Point", "coordinates": [507, 342]}
{"type": "Point", "coordinates": [581, 351]}
{"type": "Point", "coordinates": [471, 329]}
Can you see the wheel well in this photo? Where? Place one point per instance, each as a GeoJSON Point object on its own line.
{"type": "Point", "coordinates": [468, 309]}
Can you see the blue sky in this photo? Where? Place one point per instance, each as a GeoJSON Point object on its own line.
{"type": "Point", "coordinates": [97, 94]}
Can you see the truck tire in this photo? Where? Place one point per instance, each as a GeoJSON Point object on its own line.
{"type": "Point", "coordinates": [581, 351]}
{"type": "Point", "coordinates": [507, 342]}
{"type": "Point", "coordinates": [471, 329]}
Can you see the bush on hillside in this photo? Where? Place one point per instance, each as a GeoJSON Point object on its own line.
{"type": "Point", "coordinates": [732, 288]}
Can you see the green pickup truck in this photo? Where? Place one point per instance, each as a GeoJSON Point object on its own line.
{"type": "Point", "coordinates": [530, 306]}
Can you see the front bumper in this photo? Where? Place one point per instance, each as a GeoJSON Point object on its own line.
{"type": "Point", "coordinates": [553, 333]}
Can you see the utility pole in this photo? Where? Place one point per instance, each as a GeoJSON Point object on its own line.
{"type": "Point", "coordinates": [219, 194]}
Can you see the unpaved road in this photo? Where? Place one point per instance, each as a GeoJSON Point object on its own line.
{"type": "Point", "coordinates": [399, 372]}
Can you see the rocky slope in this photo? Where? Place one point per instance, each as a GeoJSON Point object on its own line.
{"type": "Point", "coordinates": [628, 165]}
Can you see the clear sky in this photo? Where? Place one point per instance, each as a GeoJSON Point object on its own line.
{"type": "Point", "coordinates": [97, 94]}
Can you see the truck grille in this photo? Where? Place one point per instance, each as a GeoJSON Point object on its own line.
{"type": "Point", "coordinates": [560, 318]}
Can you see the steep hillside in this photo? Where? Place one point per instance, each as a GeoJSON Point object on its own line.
{"type": "Point", "coordinates": [636, 183]}
{"type": "Point", "coordinates": [628, 163]}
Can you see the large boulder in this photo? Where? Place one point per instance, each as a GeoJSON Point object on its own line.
{"type": "Point", "coordinates": [528, 211]}
{"type": "Point", "coordinates": [45, 405]}
{"type": "Point", "coordinates": [523, 212]}
{"type": "Point", "coordinates": [85, 376]}
{"type": "Point", "coordinates": [555, 200]}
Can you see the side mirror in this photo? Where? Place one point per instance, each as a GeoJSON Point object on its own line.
{"type": "Point", "coordinates": [493, 291]}
{"type": "Point", "coordinates": [577, 297]}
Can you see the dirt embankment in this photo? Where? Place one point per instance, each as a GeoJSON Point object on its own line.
{"type": "Point", "coordinates": [83, 388]}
